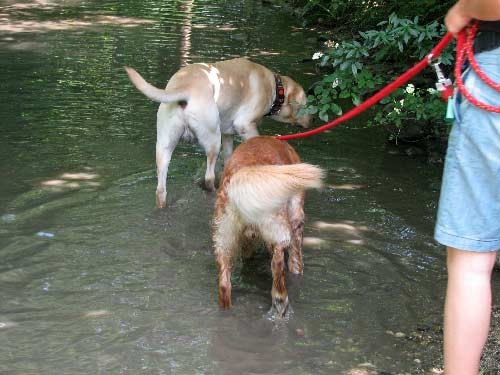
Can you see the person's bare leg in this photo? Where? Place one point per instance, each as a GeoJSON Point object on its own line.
{"type": "Point", "coordinates": [467, 310]}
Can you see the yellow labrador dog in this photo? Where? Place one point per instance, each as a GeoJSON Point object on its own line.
{"type": "Point", "coordinates": [212, 102]}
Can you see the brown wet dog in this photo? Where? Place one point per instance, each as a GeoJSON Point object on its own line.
{"type": "Point", "coordinates": [261, 195]}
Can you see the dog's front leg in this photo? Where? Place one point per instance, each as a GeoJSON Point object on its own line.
{"type": "Point", "coordinates": [279, 293]}
{"type": "Point", "coordinates": [227, 146]}
{"type": "Point", "coordinates": [246, 129]}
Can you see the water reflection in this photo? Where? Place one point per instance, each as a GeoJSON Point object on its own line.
{"type": "Point", "coordinates": [346, 231]}
{"type": "Point", "coordinates": [72, 181]}
{"type": "Point", "coordinates": [13, 23]}
{"type": "Point", "coordinates": [253, 346]}
{"type": "Point", "coordinates": [186, 7]}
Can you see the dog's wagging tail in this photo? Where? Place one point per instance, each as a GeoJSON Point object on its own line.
{"type": "Point", "coordinates": [156, 94]}
{"type": "Point", "coordinates": [263, 190]}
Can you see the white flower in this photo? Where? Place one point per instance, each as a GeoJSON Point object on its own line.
{"type": "Point", "coordinates": [402, 102]}
{"type": "Point", "coordinates": [432, 91]}
{"type": "Point", "coordinates": [410, 89]}
{"type": "Point", "coordinates": [335, 83]}
{"type": "Point", "coordinates": [317, 55]}
{"type": "Point", "coordinates": [331, 44]}
{"type": "Point", "coordinates": [397, 110]}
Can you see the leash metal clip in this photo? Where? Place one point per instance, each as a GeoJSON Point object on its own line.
{"type": "Point", "coordinates": [443, 85]}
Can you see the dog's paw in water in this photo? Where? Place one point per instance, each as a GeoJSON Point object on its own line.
{"type": "Point", "coordinates": [280, 317]}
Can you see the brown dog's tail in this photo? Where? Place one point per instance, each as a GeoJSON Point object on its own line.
{"type": "Point", "coordinates": [264, 189]}
{"type": "Point", "coordinates": [153, 93]}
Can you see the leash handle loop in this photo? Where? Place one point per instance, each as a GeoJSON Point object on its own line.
{"type": "Point", "coordinates": [464, 51]}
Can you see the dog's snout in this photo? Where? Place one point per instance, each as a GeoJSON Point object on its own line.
{"type": "Point", "coordinates": [304, 121]}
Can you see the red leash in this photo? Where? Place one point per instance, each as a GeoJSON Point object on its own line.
{"type": "Point", "coordinates": [464, 47]}
{"type": "Point", "coordinates": [465, 50]}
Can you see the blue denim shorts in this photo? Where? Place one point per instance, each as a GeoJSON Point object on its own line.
{"type": "Point", "coordinates": [469, 206]}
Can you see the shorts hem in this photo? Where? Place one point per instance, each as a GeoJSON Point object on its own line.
{"type": "Point", "coordinates": [464, 243]}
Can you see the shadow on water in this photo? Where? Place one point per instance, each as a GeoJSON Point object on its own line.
{"type": "Point", "coordinates": [95, 280]}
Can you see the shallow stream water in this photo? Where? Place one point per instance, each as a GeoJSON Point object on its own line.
{"type": "Point", "coordinates": [95, 280]}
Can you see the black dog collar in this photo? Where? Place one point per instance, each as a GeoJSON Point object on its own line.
{"type": "Point", "coordinates": [280, 97]}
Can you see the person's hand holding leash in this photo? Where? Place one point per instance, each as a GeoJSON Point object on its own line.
{"type": "Point", "coordinates": [464, 11]}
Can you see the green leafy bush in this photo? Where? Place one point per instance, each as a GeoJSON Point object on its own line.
{"type": "Point", "coordinates": [357, 68]}
{"type": "Point", "coordinates": [356, 15]}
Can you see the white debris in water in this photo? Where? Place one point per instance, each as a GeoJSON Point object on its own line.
{"type": "Point", "coordinates": [46, 286]}
{"type": "Point", "coordinates": [7, 325]}
{"type": "Point", "coordinates": [96, 313]}
{"type": "Point", "coordinates": [45, 234]}
{"type": "Point", "coordinates": [8, 218]}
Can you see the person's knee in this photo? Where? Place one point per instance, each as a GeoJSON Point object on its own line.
{"type": "Point", "coordinates": [475, 266]}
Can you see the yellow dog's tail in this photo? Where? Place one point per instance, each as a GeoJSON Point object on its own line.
{"type": "Point", "coordinates": [154, 93]}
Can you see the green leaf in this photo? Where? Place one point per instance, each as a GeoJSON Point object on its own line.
{"type": "Point", "coordinates": [336, 109]}
{"type": "Point", "coordinates": [344, 65]}
{"type": "Point", "coordinates": [356, 100]}
{"type": "Point", "coordinates": [313, 110]}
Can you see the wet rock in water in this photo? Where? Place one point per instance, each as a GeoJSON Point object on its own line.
{"type": "Point", "coordinates": [361, 371]}
{"type": "Point", "coordinates": [397, 334]}
{"type": "Point", "coordinates": [413, 151]}
{"type": "Point", "coordinates": [435, 157]}
{"type": "Point", "coordinates": [437, 371]}
{"type": "Point", "coordinates": [300, 332]}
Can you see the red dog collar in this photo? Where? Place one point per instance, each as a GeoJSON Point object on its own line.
{"type": "Point", "coordinates": [280, 97]}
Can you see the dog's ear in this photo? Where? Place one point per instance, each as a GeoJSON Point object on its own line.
{"type": "Point", "coordinates": [294, 93]}
{"type": "Point", "coordinates": [295, 99]}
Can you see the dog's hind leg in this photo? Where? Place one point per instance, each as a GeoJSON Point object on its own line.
{"type": "Point", "coordinates": [226, 235]}
{"type": "Point", "coordinates": [212, 151]}
{"type": "Point", "coordinates": [224, 264]}
{"type": "Point", "coordinates": [279, 293]}
{"type": "Point", "coordinates": [296, 218]}
{"type": "Point", "coordinates": [206, 126]}
{"type": "Point", "coordinates": [275, 231]}
{"type": "Point", "coordinates": [169, 128]}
